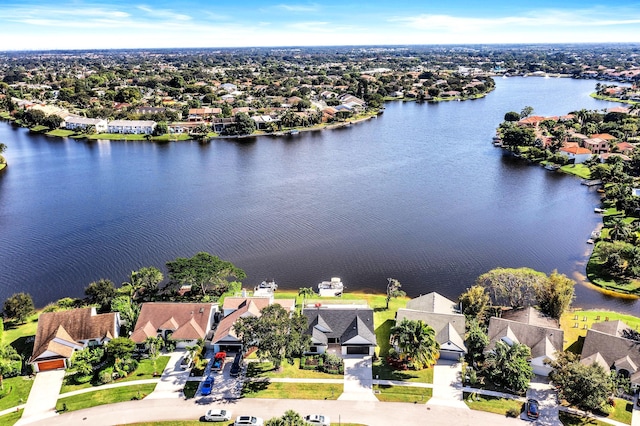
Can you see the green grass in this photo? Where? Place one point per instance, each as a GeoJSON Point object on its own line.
{"type": "Point", "coordinates": [266, 389]}
{"type": "Point", "coordinates": [116, 137]}
{"type": "Point", "coordinates": [569, 419]}
{"type": "Point", "coordinates": [3, 165]}
{"type": "Point", "coordinates": [190, 389]}
{"type": "Point", "coordinates": [571, 334]}
{"type": "Point", "coordinates": [60, 132]}
{"type": "Point", "coordinates": [579, 170]}
{"type": "Point", "coordinates": [106, 396]}
{"type": "Point", "coordinates": [144, 371]}
{"type": "Point", "coordinates": [491, 404]}
{"type": "Point", "coordinates": [6, 115]}
{"type": "Point", "coordinates": [265, 369]}
{"type": "Point", "coordinates": [20, 387]}
{"type": "Point", "coordinates": [403, 394]}
{"type": "Point", "coordinates": [172, 137]}
{"type": "Point", "coordinates": [622, 412]}
{"type": "Point", "coordinates": [382, 371]}
{"type": "Point", "coordinates": [21, 336]}
{"type": "Point", "coordinates": [38, 129]}
{"type": "Point", "coordinates": [11, 418]}
{"type": "Point", "coordinates": [599, 278]}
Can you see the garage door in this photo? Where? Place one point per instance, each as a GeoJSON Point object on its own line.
{"type": "Point", "coordinates": [50, 365]}
{"type": "Point", "coordinates": [357, 350]}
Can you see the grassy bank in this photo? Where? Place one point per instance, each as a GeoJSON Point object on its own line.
{"type": "Point", "coordinates": [60, 133]}
{"type": "Point", "coordinates": [595, 274]}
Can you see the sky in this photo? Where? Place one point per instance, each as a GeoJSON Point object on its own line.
{"type": "Point", "coordinates": [114, 24]}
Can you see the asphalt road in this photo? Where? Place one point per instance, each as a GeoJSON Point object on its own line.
{"type": "Point", "coordinates": [366, 412]}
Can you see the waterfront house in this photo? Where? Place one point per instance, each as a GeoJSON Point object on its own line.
{"type": "Point", "coordinates": [60, 334]}
{"type": "Point", "coordinates": [137, 127]}
{"type": "Point", "coordinates": [444, 317]}
{"type": "Point", "coordinates": [607, 344]}
{"type": "Point", "coordinates": [341, 329]}
{"type": "Point", "coordinates": [183, 323]}
{"type": "Point", "coordinates": [576, 154]}
{"type": "Point", "coordinates": [529, 327]}
{"type": "Point", "coordinates": [203, 114]}
{"type": "Point", "coordinates": [596, 145]}
{"type": "Point", "coordinates": [73, 122]}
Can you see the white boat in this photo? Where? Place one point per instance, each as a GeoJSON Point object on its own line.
{"type": "Point", "coordinates": [265, 288]}
{"type": "Point", "coordinates": [331, 288]}
{"type": "Point", "coordinates": [598, 210]}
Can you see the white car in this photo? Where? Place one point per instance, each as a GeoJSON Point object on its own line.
{"type": "Point", "coordinates": [248, 421]}
{"type": "Point", "coordinates": [214, 415]}
{"type": "Point", "coordinates": [317, 419]}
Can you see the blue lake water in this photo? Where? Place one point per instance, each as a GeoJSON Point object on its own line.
{"type": "Point", "coordinates": [418, 194]}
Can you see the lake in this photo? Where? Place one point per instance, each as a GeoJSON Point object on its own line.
{"type": "Point", "coordinates": [418, 194]}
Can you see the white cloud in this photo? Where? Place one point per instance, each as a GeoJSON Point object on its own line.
{"type": "Point", "coordinates": [298, 8]}
{"type": "Point", "coordinates": [164, 14]}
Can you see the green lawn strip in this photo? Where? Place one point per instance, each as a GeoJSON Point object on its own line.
{"type": "Point", "coordinates": [571, 334]}
{"type": "Point", "coordinates": [265, 369]}
{"type": "Point", "coordinates": [402, 394]}
{"type": "Point", "coordinates": [568, 419]}
{"type": "Point", "coordinates": [38, 129]}
{"type": "Point", "coordinates": [172, 137]}
{"type": "Point", "coordinates": [579, 170]}
{"type": "Point", "coordinates": [491, 404]}
{"type": "Point", "coordinates": [117, 137]}
{"type": "Point", "coordinates": [190, 389]}
{"type": "Point", "coordinates": [17, 389]}
{"type": "Point", "coordinates": [278, 390]}
{"type": "Point", "coordinates": [60, 132]}
{"type": "Point", "coordinates": [381, 370]}
{"type": "Point", "coordinates": [106, 396]}
{"type": "Point", "coordinates": [11, 418]}
{"type": "Point", "coordinates": [144, 371]}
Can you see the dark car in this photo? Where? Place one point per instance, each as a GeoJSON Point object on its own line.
{"type": "Point", "coordinates": [532, 409]}
{"type": "Point", "coordinates": [207, 385]}
{"type": "Point", "coordinates": [236, 366]}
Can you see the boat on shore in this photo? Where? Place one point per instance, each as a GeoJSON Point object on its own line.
{"type": "Point", "coordinates": [333, 288]}
{"type": "Point", "coordinates": [552, 167]}
{"type": "Point", "coordinates": [496, 141]}
{"type": "Point", "coordinates": [265, 288]}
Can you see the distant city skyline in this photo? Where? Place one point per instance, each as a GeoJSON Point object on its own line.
{"type": "Point", "coordinates": [114, 24]}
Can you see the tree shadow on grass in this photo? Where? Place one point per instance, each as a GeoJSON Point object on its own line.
{"type": "Point", "coordinates": [24, 345]}
{"type": "Point", "coordinates": [254, 386]}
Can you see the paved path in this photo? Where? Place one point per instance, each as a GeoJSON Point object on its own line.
{"type": "Point", "coordinates": [447, 389]}
{"type": "Point", "coordinates": [545, 394]}
{"type": "Point", "coordinates": [173, 378]}
{"type": "Point", "coordinates": [43, 396]}
{"type": "Point", "coordinates": [358, 379]}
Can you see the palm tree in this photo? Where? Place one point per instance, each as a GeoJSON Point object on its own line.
{"type": "Point", "coordinates": [416, 342]}
{"type": "Point", "coordinates": [508, 365]}
{"type": "Point", "coordinates": [618, 229]}
{"type": "Point", "coordinates": [305, 292]}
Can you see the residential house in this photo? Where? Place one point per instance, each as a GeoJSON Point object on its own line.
{"type": "Point", "coordinates": [60, 334]}
{"type": "Point", "coordinates": [228, 87]}
{"type": "Point", "coordinates": [131, 126]}
{"type": "Point", "coordinates": [606, 344]}
{"type": "Point", "coordinates": [528, 327]}
{"type": "Point", "coordinates": [203, 114]}
{"type": "Point", "coordinates": [263, 122]}
{"type": "Point", "coordinates": [343, 329]}
{"type": "Point", "coordinates": [625, 148]}
{"type": "Point", "coordinates": [576, 154]}
{"type": "Point", "coordinates": [596, 145]}
{"type": "Point", "coordinates": [73, 122]}
{"type": "Point", "coordinates": [183, 323]}
{"type": "Point", "coordinates": [233, 308]}
{"type": "Point", "coordinates": [444, 317]}
{"type": "Point", "coordinates": [149, 110]}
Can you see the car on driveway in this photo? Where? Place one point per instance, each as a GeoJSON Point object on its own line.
{"type": "Point", "coordinates": [236, 367]}
{"type": "Point", "coordinates": [248, 421]}
{"type": "Point", "coordinates": [215, 415]}
{"type": "Point", "coordinates": [218, 361]}
{"type": "Point", "coordinates": [317, 419]}
{"type": "Point", "coordinates": [533, 409]}
{"type": "Point", "coordinates": [207, 385]}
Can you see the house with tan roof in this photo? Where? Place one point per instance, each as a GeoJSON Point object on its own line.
{"type": "Point", "coordinates": [444, 317]}
{"type": "Point", "coordinates": [531, 328]}
{"type": "Point", "coordinates": [60, 334]}
{"type": "Point", "coordinates": [183, 323]}
{"type": "Point", "coordinates": [596, 145]}
{"type": "Point", "coordinates": [607, 344]}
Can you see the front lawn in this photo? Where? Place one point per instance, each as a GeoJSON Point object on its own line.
{"type": "Point", "coordinates": [587, 318]}
{"type": "Point", "coordinates": [106, 396]}
{"type": "Point", "coordinates": [17, 389]}
{"type": "Point", "coordinates": [568, 419]}
{"type": "Point", "coordinates": [267, 389]}
{"type": "Point", "coordinates": [190, 389]}
{"type": "Point", "coordinates": [386, 393]}
{"type": "Point", "coordinates": [11, 418]}
{"type": "Point", "coordinates": [492, 404]}
{"type": "Point", "coordinates": [579, 170]}
{"type": "Point", "coordinates": [265, 369]}
{"type": "Point", "coordinates": [381, 370]}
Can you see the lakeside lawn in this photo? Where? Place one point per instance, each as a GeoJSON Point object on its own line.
{"type": "Point", "coordinates": [579, 170]}
{"type": "Point", "coordinates": [595, 274]}
{"type": "Point", "coordinates": [38, 129]}
{"type": "Point", "coordinates": [492, 404]}
{"type": "Point", "coordinates": [415, 395]}
{"type": "Point", "coordinates": [266, 389]}
{"type": "Point", "coordinates": [574, 336]}
{"type": "Point", "coordinates": [60, 133]}
{"type": "Point", "coordinates": [106, 396]}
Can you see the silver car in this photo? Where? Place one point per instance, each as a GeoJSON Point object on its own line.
{"type": "Point", "coordinates": [248, 421]}
{"type": "Point", "coordinates": [317, 419]}
{"type": "Point", "coordinates": [215, 415]}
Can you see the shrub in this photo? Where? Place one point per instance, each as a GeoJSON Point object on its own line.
{"type": "Point", "coordinates": [80, 379]}
{"type": "Point", "coordinates": [106, 376]}
{"type": "Point", "coordinates": [513, 412]}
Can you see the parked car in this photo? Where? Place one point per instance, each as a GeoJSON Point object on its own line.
{"type": "Point", "coordinates": [218, 361]}
{"type": "Point", "coordinates": [207, 385]}
{"type": "Point", "coordinates": [317, 419]}
{"type": "Point", "coordinates": [248, 421]}
{"type": "Point", "coordinates": [215, 415]}
{"type": "Point", "coordinates": [236, 366]}
{"type": "Point", "coordinates": [533, 411]}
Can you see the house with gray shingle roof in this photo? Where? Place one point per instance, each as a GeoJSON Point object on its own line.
{"type": "Point", "coordinates": [442, 315]}
{"type": "Point", "coordinates": [342, 329]}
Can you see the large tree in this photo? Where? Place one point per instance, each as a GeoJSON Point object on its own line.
{"type": "Point", "coordinates": [18, 307]}
{"type": "Point", "coordinates": [416, 343]}
{"type": "Point", "coordinates": [475, 302]}
{"type": "Point", "coordinates": [393, 290]}
{"type": "Point", "coordinates": [512, 287]}
{"type": "Point", "coordinates": [101, 293]}
{"type": "Point", "coordinates": [276, 334]}
{"type": "Point", "coordinates": [508, 366]}
{"type": "Point", "coordinates": [555, 294]}
{"type": "Point", "coordinates": [145, 281]}
{"type": "Point", "coordinates": [476, 341]}
{"type": "Point", "coordinates": [204, 272]}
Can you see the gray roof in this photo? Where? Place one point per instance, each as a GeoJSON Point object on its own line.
{"type": "Point", "coordinates": [438, 322]}
{"type": "Point", "coordinates": [530, 316]}
{"type": "Point", "coordinates": [613, 349]}
{"type": "Point", "coordinates": [341, 323]}
{"type": "Point", "coordinates": [613, 328]}
{"type": "Point", "coordinates": [543, 341]}
{"type": "Point", "coordinates": [433, 302]}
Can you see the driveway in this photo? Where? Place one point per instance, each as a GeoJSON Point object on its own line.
{"type": "Point", "coordinates": [43, 396]}
{"type": "Point", "coordinates": [225, 386]}
{"type": "Point", "coordinates": [545, 394]}
{"type": "Point", "coordinates": [358, 379]}
{"type": "Point", "coordinates": [447, 388]}
{"type": "Point", "coordinates": [173, 378]}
